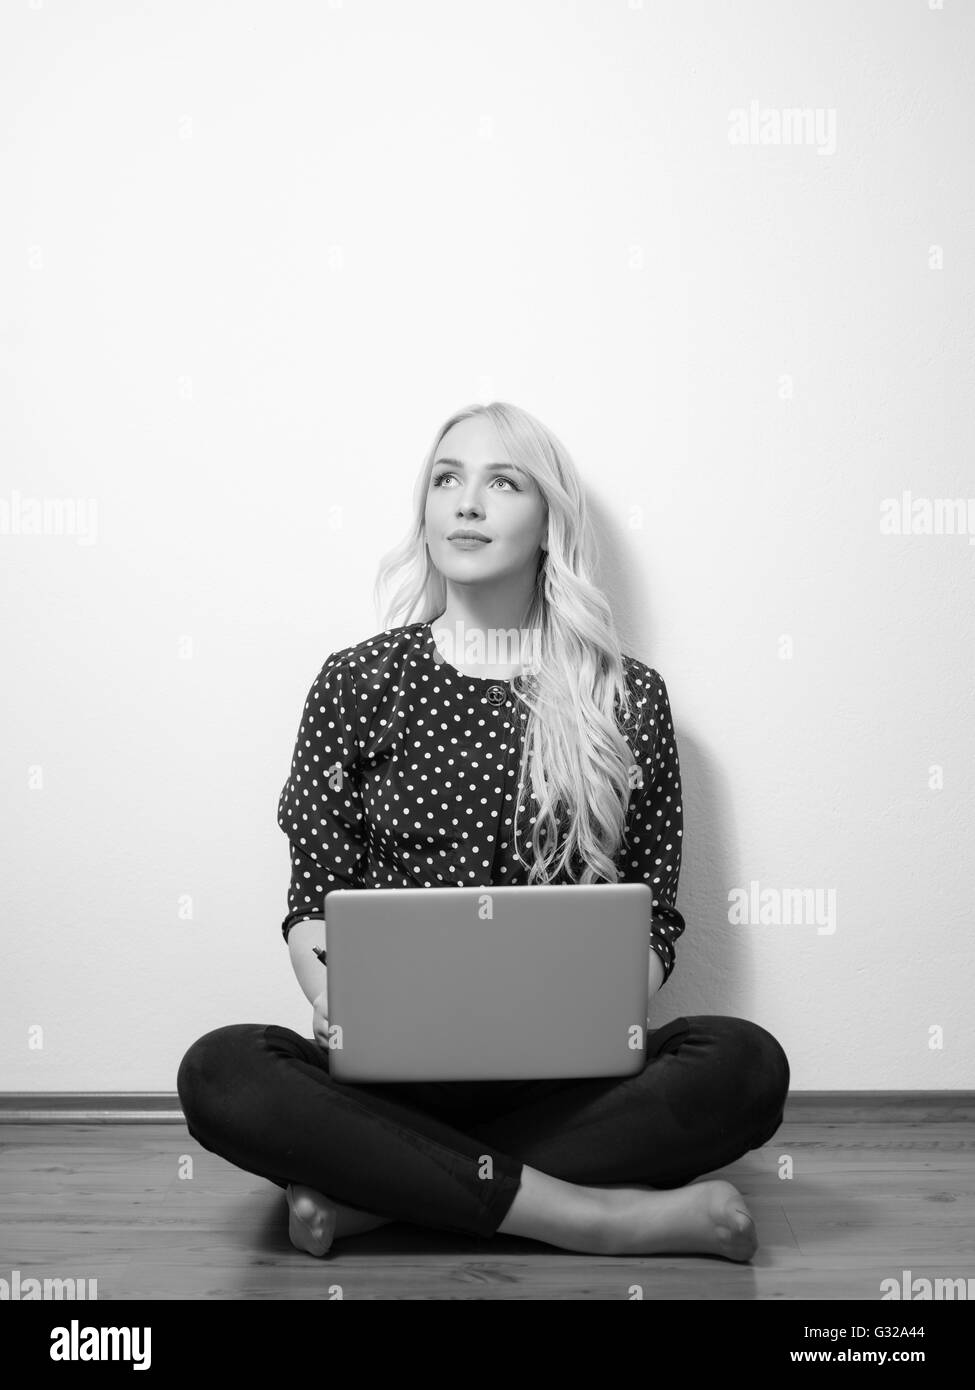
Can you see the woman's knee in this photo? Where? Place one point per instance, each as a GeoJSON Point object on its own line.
{"type": "Point", "coordinates": [214, 1063]}
{"type": "Point", "coordinates": [764, 1069]}
{"type": "Point", "coordinates": [754, 1065]}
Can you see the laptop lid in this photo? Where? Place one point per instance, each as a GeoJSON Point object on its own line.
{"type": "Point", "coordinates": [488, 983]}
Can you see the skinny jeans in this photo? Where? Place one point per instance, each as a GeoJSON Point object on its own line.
{"type": "Point", "coordinates": [449, 1154]}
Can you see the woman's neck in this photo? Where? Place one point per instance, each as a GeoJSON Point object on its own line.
{"type": "Point", "coordinates": [477, 649]}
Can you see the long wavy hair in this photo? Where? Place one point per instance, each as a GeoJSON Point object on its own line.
{"type": "Point", "coordinates": [575, 755]}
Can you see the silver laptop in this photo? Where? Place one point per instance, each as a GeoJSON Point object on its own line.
{"type": "Point", "coordinates": [487, 983]}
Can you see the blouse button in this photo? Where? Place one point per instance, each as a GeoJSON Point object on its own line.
{"type": "Point", "coordinates": [496, 694]}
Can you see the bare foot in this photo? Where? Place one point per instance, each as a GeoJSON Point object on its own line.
{"type": "Point", "coordinates": [703, 1218]}
{"type": "Point", "coordinates": [314, 1220]}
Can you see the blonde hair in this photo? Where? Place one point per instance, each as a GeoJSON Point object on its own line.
{"type": "Point", "coordinates": [577, 758]}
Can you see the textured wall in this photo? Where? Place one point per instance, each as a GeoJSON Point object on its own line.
{"type": "Point", "coordinates": [251, 257]}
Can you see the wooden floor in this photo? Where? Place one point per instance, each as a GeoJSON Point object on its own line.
{"type": "Point", "coordinates": [867, 1201]}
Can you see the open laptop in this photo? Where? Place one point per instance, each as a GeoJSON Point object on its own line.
{"type": "Point", "coordinates": [487, 983]}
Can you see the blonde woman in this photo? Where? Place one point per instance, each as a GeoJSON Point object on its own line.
{"type": "Point", "coordinates": [468, 765]}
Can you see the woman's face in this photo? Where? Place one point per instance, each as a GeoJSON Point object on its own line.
{"type": "Point", "coordinates": [468, 493]}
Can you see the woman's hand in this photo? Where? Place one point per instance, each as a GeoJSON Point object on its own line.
{"type": "Point", "coordinates": [319, 1019]}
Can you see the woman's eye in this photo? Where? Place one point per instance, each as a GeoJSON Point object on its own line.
{"type": "Point", "coordinates": [438, 480]}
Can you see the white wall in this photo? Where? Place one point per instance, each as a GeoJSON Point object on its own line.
{"type": "Point", "coordinates": [252, 255]}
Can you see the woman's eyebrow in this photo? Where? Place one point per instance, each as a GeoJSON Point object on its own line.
{"type": "Point", "coordinates": [457, 463]}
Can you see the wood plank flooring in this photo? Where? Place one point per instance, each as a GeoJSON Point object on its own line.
{"type": "Point", "coordinates": [868, 1199]}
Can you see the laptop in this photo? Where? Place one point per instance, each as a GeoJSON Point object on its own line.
{"type": "Point", "coordinates": [491, 983]}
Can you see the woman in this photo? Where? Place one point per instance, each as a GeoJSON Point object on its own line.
{"type": "Point", "coordinates": [421, 761]}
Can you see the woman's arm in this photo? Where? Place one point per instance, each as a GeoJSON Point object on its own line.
{"type": "Point", "coordinates": [656, 976]}
{"type": "Point", "coordinates": [320, 808]}
{"type": "Point", "coordinates": [312, 974]}
{"type": "Point", "coordinates": [655, 817]}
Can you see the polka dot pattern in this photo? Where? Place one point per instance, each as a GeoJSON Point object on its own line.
{"type": "Point", "coordinates": [405, 774]}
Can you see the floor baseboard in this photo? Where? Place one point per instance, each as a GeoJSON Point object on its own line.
{"type": "Point", "coordinates": [162, 1107]}
{"type": "Point", "coordinates": [88, 1107]}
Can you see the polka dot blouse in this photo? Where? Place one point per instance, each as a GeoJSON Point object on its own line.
{"type": "Point", "coordinates": [405, 774]}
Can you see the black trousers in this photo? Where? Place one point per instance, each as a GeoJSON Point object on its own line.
{"type": "Point", "coordinates": [449, 1154]}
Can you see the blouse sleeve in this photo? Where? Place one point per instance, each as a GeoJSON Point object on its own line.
{"type": "Point", "coordinates": [655, 818]}
{"type": "Point", "coordinates": [320, 808]}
